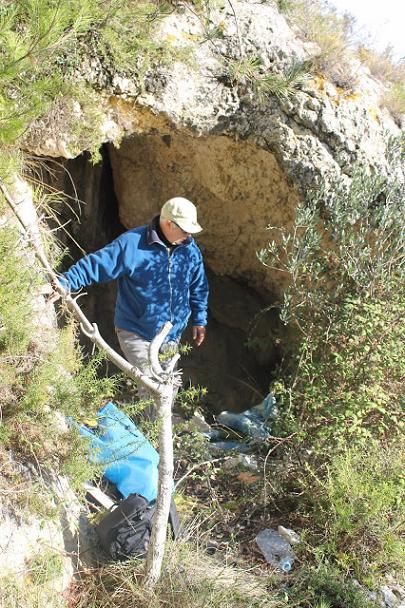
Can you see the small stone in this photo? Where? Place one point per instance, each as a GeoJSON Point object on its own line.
{"type": "Point", "coordinates": [248, 461]}
{"type": "Point", "coordinates": [231, 463]}
{"type": "Point", "coordinates": [390, 599]}
{"type": "Point", "coordinates": [198, 423]}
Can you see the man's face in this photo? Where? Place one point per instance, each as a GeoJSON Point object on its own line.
{"type": "Point", "coordinates": [173, 232]}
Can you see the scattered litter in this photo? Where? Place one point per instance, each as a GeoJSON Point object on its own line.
{"type": "Point", "coordinates": [99, 496]}
{"type": "Point", "coordinates": [239, 431]}
{"type": "Point", "coordinates": [276, 549]}
{"type": "Point", "coordinates": [289, 535]}
{"type": "Point", "coordinates": [221, 446]}
{"type": "Point", "coordinates": [130, 460]}
{"type": "Point", "coordinates": [249, 462]}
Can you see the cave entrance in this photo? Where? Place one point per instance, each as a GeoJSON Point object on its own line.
{"type": "Point", "coordinates": [238, 189]}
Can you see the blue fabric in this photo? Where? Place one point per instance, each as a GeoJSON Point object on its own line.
{"type": "Point", "coordinates": [252, 425]}
{"type": "Point", "coordinates": [153, 286]}
{"type": "Point", "coordinates": [130, 460]}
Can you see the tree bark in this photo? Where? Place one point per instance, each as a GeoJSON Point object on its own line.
{"type": "Point", "coordinates": [154, 559]}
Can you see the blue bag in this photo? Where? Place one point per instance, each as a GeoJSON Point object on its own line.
{"type": "Point", "coordinates": [131, 461]}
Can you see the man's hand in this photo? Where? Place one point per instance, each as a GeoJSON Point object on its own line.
{"type": "Point", "coordinates": [198, 334]}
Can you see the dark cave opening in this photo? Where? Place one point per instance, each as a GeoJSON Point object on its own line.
{"type": "Point", "coordinates": [241, 350]}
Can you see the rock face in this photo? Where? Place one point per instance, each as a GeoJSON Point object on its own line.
{"type": "Point", "coordinates": [239, 190]}
{"type": "Point", "coordinates": [198, 128]}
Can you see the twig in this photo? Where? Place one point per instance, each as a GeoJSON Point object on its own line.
{"type": "Point", "coordinates": [280, 441]}
{"type": "Point", "coordinates": [163, 393]}
{"type": "Point", "coordinates": [198, 466]}
{"type": "Point", "coordinates": [242, 52]}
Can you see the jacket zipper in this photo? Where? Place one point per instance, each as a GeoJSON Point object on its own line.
{"type": "Point", "coordinates": [169, 260]}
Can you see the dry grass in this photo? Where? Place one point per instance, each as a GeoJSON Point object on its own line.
{"type": "Point", "coordinates": [385, 68]}
{"type": "Point", "coordinates": [317, 22]}
{"type": "Point", "coordinates": [191, 579]}
{"type": "Point", "coordinates": [394, 100]}
{"type": "Point", "coordinates": [383, 65]}
{"type": "Point", "coordinates": [339, 52]}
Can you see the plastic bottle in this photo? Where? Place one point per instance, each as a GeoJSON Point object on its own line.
{"type": "Point", "coordinates": [276, 550]}
{"type": "Point", "coordinates": [286, 563]}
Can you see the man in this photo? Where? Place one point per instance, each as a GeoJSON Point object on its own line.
{"type": "Point", "coordinates": [160, 276]}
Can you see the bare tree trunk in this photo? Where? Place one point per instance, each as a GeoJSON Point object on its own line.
{"type": "Point", "coordinates": [161, 386]}
{"type": "Point", "coordinates": [156, 549]}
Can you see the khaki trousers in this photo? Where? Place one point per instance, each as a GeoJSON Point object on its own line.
{"type": "Point", "coordinates": [136, 351]}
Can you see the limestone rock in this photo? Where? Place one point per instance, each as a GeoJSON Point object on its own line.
{"type": "Point", "coordinates": [26, 533]}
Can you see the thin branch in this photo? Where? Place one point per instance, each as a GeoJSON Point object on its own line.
{"type": "Point", "coordinates": [89, 329]}
{"type": "Point", "coordinates": [198, 466]}
{"type": "Point", "coordinates": [162, 391]}
{"type": "Point", "coordinates": [242, 52]}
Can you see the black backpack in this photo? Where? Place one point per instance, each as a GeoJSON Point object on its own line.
{"type": "Point", "coordinates": [125, 531]}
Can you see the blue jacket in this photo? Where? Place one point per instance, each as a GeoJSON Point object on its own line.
{"type": "Point", "coordinates": [154, 285]}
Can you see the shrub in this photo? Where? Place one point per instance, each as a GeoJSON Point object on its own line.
{"type": "Point", "coordinates": [357, 512]}
{"type": "Point", "coordinates": [345, 258]}
{"type": "Point", "coordinates": [348, 385]}
{"type": "Point", "coordinates": [17, 281]}
{"type": "Point", "coordinates": [382, 64]}
{"type": "Point", "coordinates": [43, 44]}
{"type": "Point", "coordinates": [282, 85]}
{"type": "Point", "coordinates": [37, 383]}
{"type": "Point", "coordinates": [323, 586]}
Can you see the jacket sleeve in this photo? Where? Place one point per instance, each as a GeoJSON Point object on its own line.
{"type": "Point", "coordinates": [199, 296]}
{"type": "Point", "coordinates": [103, 265]}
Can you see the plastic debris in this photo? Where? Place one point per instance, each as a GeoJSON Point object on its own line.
{"type": "Point", "coordinates": [239, 431]}
{"type": "Point", "coordinates": [237, 446]}
{"type": "Point", "coordinates": [128, 459]}
{"type": "Point", "coordinates": [244, 460]}
{"type": "Point", "coordinates": [276, 549]}
{"type": "Point", "coordinates": [289, 535]}
{"type": "Point", "coordinates": [248, 461]}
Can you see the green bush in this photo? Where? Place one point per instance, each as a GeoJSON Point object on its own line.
{"type": "Point", "coordinates": [38, 382]}
{"type": "Point", "coordinates": [348, 384]}
{"type": "Point", "coordinates": [344, 382]}
{"type": "Point", "coordinates": [345, 257]}
{"type": "Point", "coordinates": [282, 85]}
{"type": "Point", "coordinates": [360, 507]}
{"type": "Point", "coordinates": [62, 380]}
{"type": "Point", "coordinates": [43, 44]}
{"type": "Point", "coordinates": [323, 586]}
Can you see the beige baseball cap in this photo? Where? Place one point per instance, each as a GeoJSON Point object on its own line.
{"type": "Point", "coordinates": [182, 212]}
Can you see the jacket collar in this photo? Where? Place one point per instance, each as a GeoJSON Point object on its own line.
{"type": "Point", "coordinates": [153, 237]}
